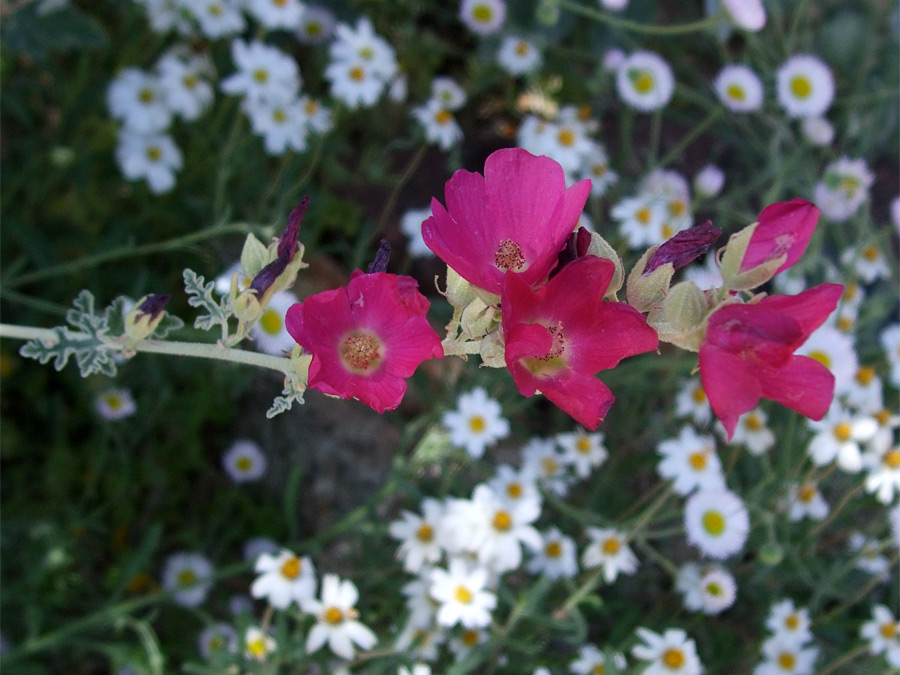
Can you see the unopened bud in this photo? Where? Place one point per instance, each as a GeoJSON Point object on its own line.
{"type": "Point", "coordinates": [145, 317]}
{"type": "Point", "coordinates": [246, 306]}
{"type": "Point", "coordinates": [644, 292]}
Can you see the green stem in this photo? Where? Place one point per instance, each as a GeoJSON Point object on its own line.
{"type": "Point", "coordinates": [643, 28]}
{"type": "Point", "coordinates": [195, 349]}
{"type": "Point", "coordinates": [127, 252]}
{"type": "Point", "coordinates": [846, 659]}
{"type": "Point", "coordinates": [395, 193]}
{"type": "Point", "coordinates": [689, 138]}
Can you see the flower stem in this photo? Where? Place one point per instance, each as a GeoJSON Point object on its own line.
{"type": "Point", "coordinates": [195, 349]}
{"type": "Point", "coordinates": [643, 28]}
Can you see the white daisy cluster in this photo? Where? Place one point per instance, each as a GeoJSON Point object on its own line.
{"type": "Point", "coordinates": [645, 81]}
{"type": "Point", "coordinates": [145, 104]}
{"type": "Point", "coordinates": [518, 56]}
{"type": "Point", "coordinates": [709, 588]}
{"type": "Point", "coordinates": [669, 653]}
{"type": "Point", "coordinates": [566, 137]}
{"type": "Point", "coordinates": [115, 404]}
{"type": "Point", "coordinates": [362, 65]}
{"type": "Point", "coordinates": [660, 209]}
{"type": "Point", "coordinates": [882, 632]}
{"type": "Point", "coordinates": [844, 188]}
{"type": "Point", "coordinates": [787, 650]}
{"type": "Point", "coordinates": [436, 114]}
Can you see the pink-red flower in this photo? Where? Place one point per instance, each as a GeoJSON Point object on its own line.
{"type": "Point", "coordinates": [515, 218]}
{"type": "Point", "coordinates": [748, 354]}
{"type": "Point", "coordinates": [784, 229]}
{"type": "Point", "coordinates": [366, 337]}
{"type": "Point", "coordinates": [561, 334]}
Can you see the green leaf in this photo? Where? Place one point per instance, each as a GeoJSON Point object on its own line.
{"type": "Point", "coordinates": [283, 403]}
{"type": "Point", "coordinates": [200, 294]}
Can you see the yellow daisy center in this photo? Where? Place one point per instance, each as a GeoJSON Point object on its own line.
{"type": "Point", "coordinates": [291, 567]}
{"type": "Point", "coordinates": [642, 81]}
{"type": "Point", "coordinates": [553, 549]}
{"type": "Point", "coordinates": [821, 357]}
{"type": "Point", "coordinates": [334, 616]}
{"type": "Point", "coordinates": [154, 154]}
{"type": "Point", "coordinates": [892, 459]}
{"type": "Point", "coordinates": [502, 520]}
{"type": "Point", "coordinates": [698, 395]}
{"type": "Point", "coordinates": [186, 577]}
{"type": "Point", "coordinates": [425, 532]}
{"type": "Point", "coordinates": [787, 660]}
{"type": "Point", "coordinates": [514, 490]}
{"type": "Point", "coordinates": [477, 424]}
{"type": "Point", "coordinates": [801, 87]}
{"type": "Point", "coordinates": [735, 92]}
{"type": "Point", "coordinates": [270, 322]}
{"type": "Point", "coordinates": [865, 375]}
{"type": "Point", "coordinates": [463, 595]}
{"type": "Point", "coordinates": [611, 546]}
{"type": "Point", "coordinates": [442, 117]}
{"type": "Point", "coordinates": [697, 460]}
{"type": "Point", "coordinates": [257, 648]}
{"type": "Point", "coordinates": [566, 137]}
{"type": "Point", "coordinates": [673, 658]}
{"type": "Point", "coordinates": [842, 431]}
{"type": "Point", "coordinates": [482, 14]}
{"type": "Point", "coordinates": [357, 74]}
{"type": "Point", "coordinates": [261, 75]}
{"type": "Point", "coordinates": [714, 523]}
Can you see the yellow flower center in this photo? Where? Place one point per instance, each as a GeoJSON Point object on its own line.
{"type": "Point", "coordinates": [146, 95]}
{"type": "Point", "coordinates": [677, 207]}
{"type": "Point", "coordinates": [697, 460]}
{"type": "Point", "coordinates": [257, 648]}
{"type": "Point", "coordinates": [470, 638]}
{"type": "Point", "coordinates": [154, 154]}
{"type": "Point", "coordinates": [667, 230]}
{"type": "Point", "coordinates": [566, 137]}
{"type": "Point", "coordinates": [599, 669]}
{"type": "Point", "coordinates": [271, 322]}
{"type": "Point", "coordinates": [279, 116]}
{"type": "Point", "coordinates": [482, 14]}
{"type": "Point", "coordinates": [787, 660]}
{"type": "Point", "coordinates": [361, 352]}
{"type": "Point", "coordinates": [553, 549]}
{"type": "Point", "coordinates": [243, 464]}
{"type": "Point", "coordinates": [806, 493]}
{"type": "Point", "coordinates": [870, 253]}
{"type": "Point", "coordinates": [291, 567]}
{"type": "Point", "coordinates": [550, 466]}
{"type": "Point", "coordinates": [850, 291]}
{"type": "Point", "coordinates": [190, 81]}
{"type": "Point", "coordinates": [714, 589]}
{"type": "Point", "coordinates": [611, 546]}
{"type": "Point", "coordinates": [673, 658]}
{"type": "Point", "coordinates": [514, 490]}
{"type": "Point", "coordinates": [643, 215]}
{"type": "Point", "coordinates": [311, 107]}
{"type": "Point", "coordinates": [735, 92]}
{"type": "Point", "coordinates": [313, 29]}
{"type": "Point", "coordinates": [801, 87]}
{"type": "Point", "coordinates": [714, 523]}
{"type": "Point", "coordinates": [599, 170]}
{"type": "Point", "coordinates": [357, 74]}
{"type": "Point", "coordinates": [821, 357]}
{"type": "Point", "coordinates": [842, 431]}
{"type": "Point", "coordinates": [261, 75]}
{"type": "Point", "coordinates": [334, 616]}
{"type": "Point", "coordinates": [892, 459]}
{"type": "Point", "coordinates": [845, 323]}
{"type": "Point", "coordinates": [883, 416]}
{"type": "Point", "coordinates": [753, 422]}
{"type": "Point", "coordinates": [583, 445]}
{"type": "Point", "coordinates": [113, 402]}
{"type": "Point", "coordinates": [425, 532]}
{"type": "Point", "coordinates": [792, 621]}
{"type": "Point", "coordinates": [215, 9]}
{"type": "Point", "coordinates": [477, 424]}
{"type": "Point", "coordinates": [442, 117]}
{"type": "Point", "coordinates": [366, 53]}
{"type": "Point", "coordinates": [186, 577]}
{"type": "Point", "coordinates": [463, 595]}
{"type": "Point", "coordinates": [865, 375]}
{"type": "Point", "coordinates": [888, 630]}
{"type": "Point", "coordinates": [698, 395]}
{"type": "Point", "coordinates": [642, 81]}
{"type": "Point", "coordinates": [502, 520]}
{"type": "Point", "coordinates": [522, 48]}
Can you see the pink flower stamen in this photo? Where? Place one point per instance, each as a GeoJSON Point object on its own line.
{"type": "Point", "coordinates": [509, 257]}
{"type": "Point", "coordinates": [361, 352]}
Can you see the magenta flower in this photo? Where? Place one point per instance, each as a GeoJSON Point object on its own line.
{"type": "Point", "coordinates": [366, 337]}
{"type": "Point", "coordinates": [784, 228]}
{"type": "Point", "coordinates": [748, 354]}
{"type": "Point", "coordinates": [560, 335]}
{"type": "Point", "coordinates": [515, 218]}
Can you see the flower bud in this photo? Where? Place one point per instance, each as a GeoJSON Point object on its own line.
{"type": "Point", "coordinates": [254, 256]}
{"type": "Point", "coordinates": [246, 306]}
{"type": "Point", "coordinates": [145, 317]}
{"type": "Point", "coordinates": [493, 351]}
{"type": "Point", "coordinates": [644, 292]}
{"type": "Point", "coordinates": [681, 320]}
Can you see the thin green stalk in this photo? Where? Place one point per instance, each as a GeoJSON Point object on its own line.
{"type": "Point", "coordinates": [690, 137]}
{"type": "Point", "coordinates": [395, 192]}
{"type": "Point", "coordinates": [848, 658]}
{"type": "Point", "coordinates": [642, 28]}
{"type": "Point", "coordinates": [124, 252]}
{"type": "Point", "coordinates": [195, 349]}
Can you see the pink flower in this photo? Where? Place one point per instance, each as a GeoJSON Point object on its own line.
{"type": "Point", "coordinates": [561, 334]}
{"type": "Point", "coordinates": [784, 228]}
{"type": "Point", "coordinates": [365, 337]}
{"type": "Point", "coordinates": [748, 354]}
{"type": "Point", "coordinates": [515, 218]}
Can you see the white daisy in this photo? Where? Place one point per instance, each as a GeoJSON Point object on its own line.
{"type": "Point", "coordinates": [354, 83]}
{"type": "Point", "coordinates": [282, 124]}
{"type": "Point", "coordinates": [805, 86]}
{"type": "Point", "coordinates": [258, 644]}
{"type": "Point", "coordinates": [483, 16]}
{"type": "Point", "coordinates": [518, 56]}
{"type": "Point", "coordinates": [869, 557]}
{"type": "Point", "coordinates": [509, 526]}
{"type": "Point", "coordinates": [336, 619]}
{"type": "Point", "coordinates": [717, 588]}
{"type": "Point", "coordinates": [591, 661]}
{"type": "Point", "coordinates": [595, 167]}
{"type": "Point", "coordinates": [476, 423]}
{"type": "Point", "coordinates": [166, 16]}
{"type": "Point", "coordinates": [137, 99]}
{"type": "Point", "coordinates": [270, 332]}
{"type": "Point", "coordinates": [362, 45]}
{"type": "Point", "coordinates": [784, 657]}
{"type": "Point", "coordinates": [218, 638]}
{"type": "Point", "coordinates": [461, 592]}
{"type": "Point", "coordinates": [582, 450]}
{"type": "Point", "coordinates": [512, 485]}
{"type": "Point", "coordinates": [804, 500]}
{"type": "Point", "coordinates": [789, 623]}
{"type": "Point", "coordinates": [181, 79]}
{"type": "Point", "coordinates": [186, 575]}
{"type": "Point", "coordinates": [318, 116]}
{"type": "Point", "coordinates": [889, 338]}
{"type": "Point", "coordinates": [609, 549]}
{"type": "Point", "coordinates": [641, 220]}
{"type": "Point", "coordinates": [447, 91]}
{"type": "Point", "coordinates": [716, 522]}
{"type": "Point", "coordinates": [317, 25]}
{"type": "Point", "coordinates": [751, 431]}
{"type": "Point", "coordinates": [844, 188]}
{"type": "Point", "coordinates": [645, 81]}
{"type": "Point", "coordinates": [115, 404]}
{"type": "Point", "coordinates": [420, 642]}
{"type": "Point", "coordinates": [438, 123]}
{"type": "Point", "coordinates": [153, 157]}
{"type": "Point", "coordinates": [264, 72]}
{"type": "Point", "coordinates": [838, 437]}
{"type": "Point", "coordinates": [244, 461]}
{"type": "Point", "coordinates": [882, 632]}
{"type": "Point", "coordinates": [691, 462]}
{"type": "Point", "coordinates": [418, 535]}
{"type": "Point", "coordinates": [869, 263]}
{"type": "Point", "coordinates": [466, 640]}
{"type": "Point", "coordinates": [541, 458]}
{"type": "Point", "coordinates": [556, 557]}
{"type": "Point", "coordinates": [865, 392]}
{"type": "Point", "coordinates": [283, 14]}
{"type": "Point", "coordinates": [739, 89]}
{"type": "Point", "coordinates": [670, 653]}
{"type": "Point", "coordinates": [284, 578]}
{"type": "Point", "coordinates": [218, 18]}
{"type": "Point", "coordinates": [691, 401]}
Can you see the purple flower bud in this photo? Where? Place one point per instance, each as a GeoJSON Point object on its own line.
{"type": "Point", "coordinates": [382, 257]}
{"type": "Point", "coordinates": [287, 244]}
{"type": "Point", "coordinates": [267, 275]}
{"type": "Point", "coordinates": [153, 304]}
{"type": "Point", "coordinates": [684, 247]}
